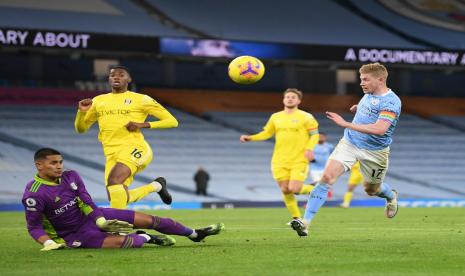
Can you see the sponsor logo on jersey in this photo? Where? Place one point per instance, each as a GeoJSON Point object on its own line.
{"type": "Point", "coordinates": [65, 207]}
{"type": "Point", "coordinates": [113, 112]}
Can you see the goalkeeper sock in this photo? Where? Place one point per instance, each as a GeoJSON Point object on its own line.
{"type": "Point", "coordinates": [385, 192]}
{"type": "Point", "coordinates": [169, 226]}
{"type": "Point", "coordinates": [118, 196]}
{"type": "Point", "coordinates": [316, 199]}
{"type": "Point", "coordinates": [141, 192]}
{"type": "Point", "coordinates": [306, 189]}
{"type": "Point", "coordinates": [291, 204]}
{"type": "Point", "coordinates": [133, 241]}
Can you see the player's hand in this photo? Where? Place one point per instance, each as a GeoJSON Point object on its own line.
{"type": "Point", "coordinates": [309, 155]}
{"type": "Point", "coordinates": [51, 245]}
{"type": "Point", "coordinates": [85, 104]}
{"type": "Point", "coordinates": [245, 138]}
{"type": "Point", "coordinates": [353, 108]}
{"type": "Point", "coordinates": [337, 119]}
{"type": "Point", "coordinates": [114, 225]}
{"type": "Point", "coordinates": [133, 126]}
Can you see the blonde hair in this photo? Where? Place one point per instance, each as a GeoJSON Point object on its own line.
{"type": "Point", "coordinates": [376, 69]}
{"type": "Point", "coordinates": [295, 91]}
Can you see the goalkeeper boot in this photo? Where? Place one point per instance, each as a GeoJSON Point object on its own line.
{"type": "Point", "coordinates": [163, 193]}
{"type": "Point", "coordinates": [392, 206]}
{"type": "Point", "coordinates": [162, 240]}
{"type": "Point", "coordinates": [299, 226]}
{"type": "Point", "coordinates": [202, 233]}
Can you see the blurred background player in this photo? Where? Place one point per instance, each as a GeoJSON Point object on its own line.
{"type": "Point", "coordinates": [366, 139]}
{"type": "Point", "coordinates": [59, 212]}
{"type": "Point", "coordinates": [355, 179]}
{"type": "Point", "coordinates": [321, 154]}
{"type": "Point", "coordinates": [296, 135]}
{"type": "Point", "coordinates": [121, 115]}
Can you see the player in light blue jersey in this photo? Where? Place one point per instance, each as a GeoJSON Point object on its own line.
{"type": "Point", "coordinates": [366, 139]}
{"type": "Point", "coordinates": [321, 153]}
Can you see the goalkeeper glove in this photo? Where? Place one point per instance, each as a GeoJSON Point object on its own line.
{"type": "Point", "coordinates": [113, 225]}
{"type": "Point", "coordinates": [51, 245]}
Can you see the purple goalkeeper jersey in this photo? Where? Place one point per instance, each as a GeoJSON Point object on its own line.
{"type": "Point", "coordinates": [58, 209]}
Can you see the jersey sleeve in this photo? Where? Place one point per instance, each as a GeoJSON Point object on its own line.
{"type": "Point", "coordinates": [268, 131]}
{"type": "Point", "coordinates": [153, 108]}
{"type": "Point", "coordinates": [84, 120]}
{"type": "Point", "coordinates": [34, 207]}
{"type": "Point", "coordinates": [86, 204]}
{"type": "Point", "coordinates": [389, 111]}
{"type": "Point", "coordinates": [312, 128]}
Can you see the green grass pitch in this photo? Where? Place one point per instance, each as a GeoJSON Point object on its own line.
{"type": "Point", "coordinates": [358, 241]}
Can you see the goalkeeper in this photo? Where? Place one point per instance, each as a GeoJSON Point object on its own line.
{"type": "Point", "coordinates": [60, 213]}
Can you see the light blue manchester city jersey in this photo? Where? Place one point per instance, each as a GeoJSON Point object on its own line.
{"type": "Point", "coordinates": [370, 109]}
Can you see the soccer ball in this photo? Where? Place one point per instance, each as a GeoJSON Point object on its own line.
{"type": "Point", "coordinates": [246, 70]}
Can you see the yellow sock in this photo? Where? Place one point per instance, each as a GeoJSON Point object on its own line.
{"type": "Point", "coordinates": [291, 204]}
{"type": "Point", "coordinates": [141, 192]}
{"type": "Point", "coordinates": [347, 198]}
{"type": "Point", "coordinates": [118, 196]}
{"type": "Point", "coordinates": [306, 189]}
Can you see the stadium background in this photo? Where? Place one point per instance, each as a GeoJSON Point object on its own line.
{"type": "Point", "coordinates": [54, 53]}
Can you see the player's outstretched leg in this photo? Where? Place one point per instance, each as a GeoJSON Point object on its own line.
{"type": "Point", "coordinates": [202, 233]}
{"type": "Point", "coordinates": [164, 194]}
{"type": "Point", "coordinates": [392, 206]}
{"type": "Point", "coordinates": [162, 240]}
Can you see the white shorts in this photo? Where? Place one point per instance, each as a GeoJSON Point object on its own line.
{"type": "Point", "coordinates": [373, 163]}
{"type": "Point", "coordinates": [316, 174]}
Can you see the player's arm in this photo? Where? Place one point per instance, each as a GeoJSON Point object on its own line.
{"type": "Point", "coordinates": [314, 137]}
{"type": "Point", "coordinates": [378, 128]}
{"type": "Point", "coordinates": [153, 108]}
{"type": "Point", "coordinates": [34, 215]}
{"type": "Point", "coordinates": [85, 116]}
{"type": "Point", "coordinates": [90, 209]}
{"type": "Point", "coordinates": [267, 133]}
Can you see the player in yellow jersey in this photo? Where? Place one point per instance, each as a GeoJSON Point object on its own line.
{"type": "Point", "coordinates": [296, 134]}
{"type": "Point", "coordinates": [355, 179]}
{"type": "Point", "coordinates": [121, 115]}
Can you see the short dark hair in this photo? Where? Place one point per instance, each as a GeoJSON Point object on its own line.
{"type": "Point", "coordinates": [120, 67]}
{"type": "Point", "coordinates": [322, 133]}
{"type": "Point", "coordinates": [44, 152]}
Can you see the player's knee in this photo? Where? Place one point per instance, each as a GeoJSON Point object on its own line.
{"type": "Point", "coordinates": [328, 178]}
{"type": "Point", "coordinates": [372, 191]}
{"type": "Point", "coordinates": [115, 179]}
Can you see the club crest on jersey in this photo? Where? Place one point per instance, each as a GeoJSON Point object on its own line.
{"type": "Point", "coordinates": [73, 186]}
{"type": "Point", "coordinates": [374, 101]}
{"type": "Point", "coordinates": [57, 198]}
{"type": "Point", "coordinates": [127, 101]}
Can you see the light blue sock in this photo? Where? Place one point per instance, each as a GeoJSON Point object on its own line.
{"type": "Point", "coordinates": [316, 199]}
{"type": "Point", "coordinates": [385, 192]}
